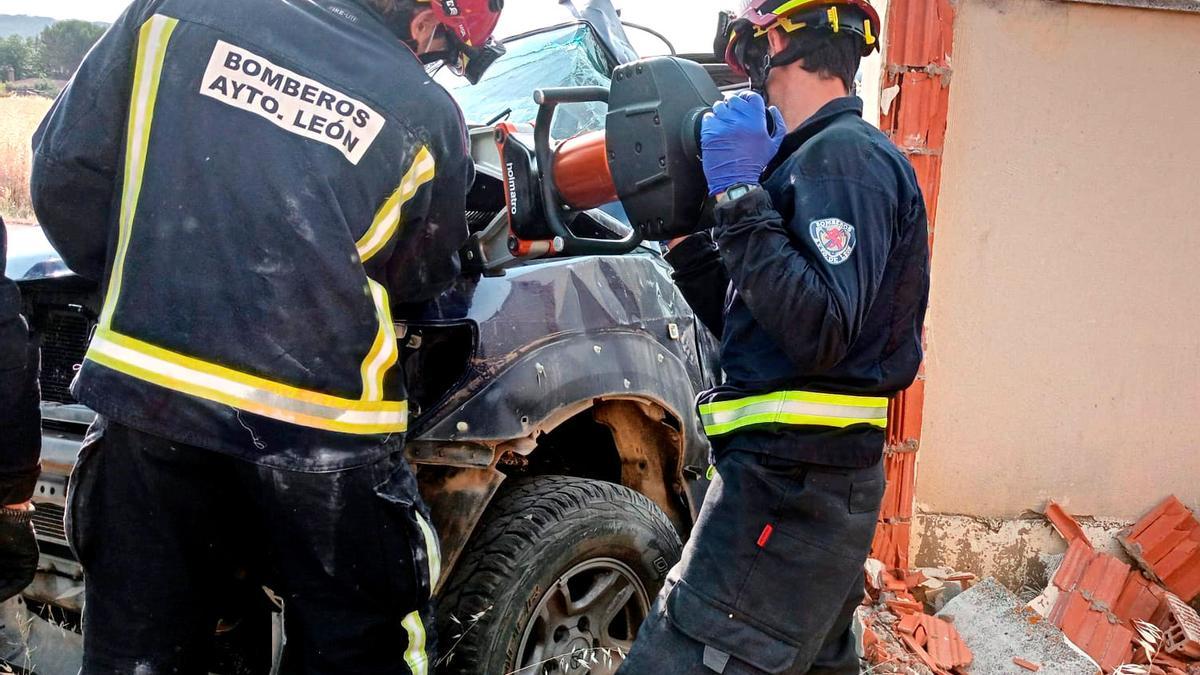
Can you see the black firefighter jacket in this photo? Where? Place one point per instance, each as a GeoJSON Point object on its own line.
{"type": "Point", "coordinates": [827, 271]}
{"type": "Point", "coordinates": [255, 183]}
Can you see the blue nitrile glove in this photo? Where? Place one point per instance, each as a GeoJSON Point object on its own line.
{"type": "Point", "coordinates": [735, 143]}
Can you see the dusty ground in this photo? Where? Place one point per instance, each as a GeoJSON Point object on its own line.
{"type": "Point", "coordinates": [19, 116]}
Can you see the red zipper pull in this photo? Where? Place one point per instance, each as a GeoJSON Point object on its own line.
{"type": "Point", "coordinates": [765, 536]}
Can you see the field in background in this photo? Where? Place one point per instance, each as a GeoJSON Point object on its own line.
{"type": "Point", "coordinates": [19, 117]}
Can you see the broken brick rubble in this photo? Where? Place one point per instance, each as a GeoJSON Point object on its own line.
{"type": "Point", "coordinates": [1139, 600]}
{"type": "Point", "coordinates": [1098, 600]}
{"type": "Point", "coordinates": [898, 635]}
{"type": "Point", "coordinates": [1166, 543]}
{"type": "Point", "coordinates": [1065, 523]}
{"type": "Point", "coordinates": [1027, 665]}
{"type": "Point", "coordinates": [1181, 627]}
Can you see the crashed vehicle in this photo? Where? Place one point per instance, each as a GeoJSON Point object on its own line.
{"type": "Point", "coordinates": [553, 428]}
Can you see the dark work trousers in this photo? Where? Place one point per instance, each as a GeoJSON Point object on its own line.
{"type": "Point", "coordinates": [20, 399]}
{"type": "Point", "coordinates": [771, 576]}
{"type": "Point", "coordinates": [159, 527]}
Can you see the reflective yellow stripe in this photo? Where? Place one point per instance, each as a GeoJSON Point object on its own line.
{"type": "Point", "coordinates": [789, 6]}
{"type": "Point", "coordinates": [384, 352]}
{"type": "Point", "coordinates": [432, 549]}
{"type": "Point", "coordinates": [796, 408]}
{"type": "Point", "coordinates": [387, 220]}
{"type": "Point", "coordinates": [152, 49]}
{"type": "Point", "coordinates": [805, 396]}
{"type": "Point", "coordinates": [245, 392]}
{"type": "Point", "coordinates": [415, 656]}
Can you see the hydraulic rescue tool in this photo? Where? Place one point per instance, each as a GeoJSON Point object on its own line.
{"type": "Point", "coordinates": [648, 159]}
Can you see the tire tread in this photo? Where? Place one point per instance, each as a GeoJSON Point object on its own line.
{"type": "Point", "coordinates": [522, 514]}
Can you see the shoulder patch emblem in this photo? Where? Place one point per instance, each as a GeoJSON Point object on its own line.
{"type": "Point", "coordinates": [835, 239]}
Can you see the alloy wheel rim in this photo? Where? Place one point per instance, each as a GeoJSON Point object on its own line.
{"type": "Point", "coordinates": [585, 621]}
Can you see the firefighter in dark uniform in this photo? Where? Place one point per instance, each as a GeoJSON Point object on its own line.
{"type": "Point", "coordinates": [820, 237]}
{"type": "Point", "coordinates": [256, 184]}
{"type": "Point", "coordinates": [20, 437]}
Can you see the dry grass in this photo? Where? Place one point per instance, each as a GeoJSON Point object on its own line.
{"type": "Point", "coordinates": [19, 117]}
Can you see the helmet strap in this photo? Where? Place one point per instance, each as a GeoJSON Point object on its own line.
{"type": "Point", "coordinates": [448, 56]}
{"type": "Point", "coordinates": [760, 73]}
{"type": "Point", "coordinates": [433, 36]}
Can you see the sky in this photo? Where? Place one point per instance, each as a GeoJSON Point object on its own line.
{"type": "Point", "coordinates": [690, 24]}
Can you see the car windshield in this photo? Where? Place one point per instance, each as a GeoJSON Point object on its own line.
{"type": "Point", "coordinates": [569, 56]}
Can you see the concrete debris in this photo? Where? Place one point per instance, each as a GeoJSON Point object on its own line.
{"type": "Point", "coordinates": [938, 585]}
{"type": "Point", "coordinates": [1096, 614]}
{"type": "Point", "coordinates": [898, 635]}
{"type": "Point", "coordinates": [874, 570]}
{"type": "Point", "coordinates": [1000, 632]}
{"type": "Point", "coordinates": [883, 651]}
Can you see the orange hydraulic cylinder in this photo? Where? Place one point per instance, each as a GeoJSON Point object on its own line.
{"type": "Point", "coordinates": [581, 172]}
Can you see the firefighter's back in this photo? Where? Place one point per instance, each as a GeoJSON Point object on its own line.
{"type": "Point", "coordinates": [271, 153]}
{"type": "Point", "coordinates": [253, 183]}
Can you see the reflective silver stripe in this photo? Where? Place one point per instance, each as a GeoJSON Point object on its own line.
{"type": "Point", "coordinates": [153, 39]}
{"type": "Point", "coordinates": [797, 408]}
{"type": "Point", "coordinates": [210, 382]}
{"type": "Point", "coordinates": [414, 655]}
{"type": "Point", "coordinates": [432, 550]}
{"type": "Point", "coordinates": [387, 221]}
{"type": "Point", "coordinates": [794, 408]}
{"type": "Point", "coordinates": [384, 351]}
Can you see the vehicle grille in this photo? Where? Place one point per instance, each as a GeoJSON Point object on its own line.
{"type": "Point", "coordinates": [478, 220]}
{"type": "Point", "coordinates": [65, 337]}
{"type": "Point", "coordinates": [48, 520]}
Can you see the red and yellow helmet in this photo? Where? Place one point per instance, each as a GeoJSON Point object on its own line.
{"type": "Point", "coordinates": [739, 35]}
{"type": "Point", "coordinates": [469, 25]}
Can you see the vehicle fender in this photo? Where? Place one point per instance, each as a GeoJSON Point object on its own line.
{"type": "Point", "coordinates": [556, 380]}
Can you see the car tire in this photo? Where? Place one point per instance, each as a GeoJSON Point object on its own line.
{"type": "Point", "coordinates": [553, 558]}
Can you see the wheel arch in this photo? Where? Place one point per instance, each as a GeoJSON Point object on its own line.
{"type": "Point", "coordinates": [630, 441]}
{"type": "Point", "coordinates": [626, 383]}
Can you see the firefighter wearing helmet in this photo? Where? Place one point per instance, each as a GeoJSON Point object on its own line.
{"type": "Point", "coordinates": [256, 186]}
{"type": "Point", "coordinates": [815, 275]}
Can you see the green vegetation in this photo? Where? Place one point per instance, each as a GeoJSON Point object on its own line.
{"type": "Point", "coordinates": [54, 53]}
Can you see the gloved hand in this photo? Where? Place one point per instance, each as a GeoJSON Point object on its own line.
{"type": "Point", "coordinates": [18, 551]}
{"type": "Point", "coordinates": [734, 142]}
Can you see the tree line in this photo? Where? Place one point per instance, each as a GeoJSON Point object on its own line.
{"type": "Point", "coordinates": [55, 53]}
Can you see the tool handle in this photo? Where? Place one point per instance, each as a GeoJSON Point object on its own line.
{"type": "Point", "coordinates": [694, 121]}
{"type": "Point", "coordinates": [548, 101]}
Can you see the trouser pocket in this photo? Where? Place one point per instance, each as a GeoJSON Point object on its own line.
{"type": "Point", "coordinates": [80, 487]}
{"type": "Point", "coordinates": [403, 501]}
{"type": "Point", "coordinates": [730, 637]}
{"type": "Point", "coordinates": [775, 554]}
